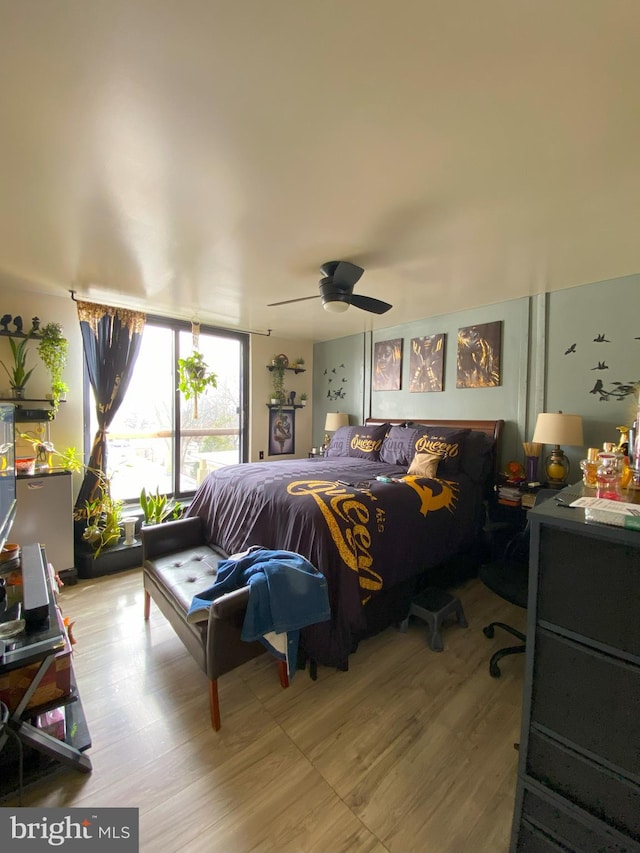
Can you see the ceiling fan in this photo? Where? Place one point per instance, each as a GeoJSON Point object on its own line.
{"type": "Point", "coordinates": [336, 290]}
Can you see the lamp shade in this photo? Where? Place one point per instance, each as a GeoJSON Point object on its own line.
{"type": "Point", "coordinates": [558, 428]}
{"type": "Point", "coordinates": [335, 420]}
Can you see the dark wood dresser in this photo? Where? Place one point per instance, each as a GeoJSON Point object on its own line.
{"type": "Point", "coordinates": [578, 783]}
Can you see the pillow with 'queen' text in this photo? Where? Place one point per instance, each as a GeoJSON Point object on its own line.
{"type": "Point", "coordinates": [366, 441]}
{"type": "Point", "coordinates": [448, 442]}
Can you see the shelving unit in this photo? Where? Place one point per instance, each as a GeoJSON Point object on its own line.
{"type": "Point", "coordinates": [35, 654]}
{"type": "Point", "coordinates": [286, 406]}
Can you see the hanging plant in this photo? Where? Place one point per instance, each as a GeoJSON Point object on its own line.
{"type": "Point", "coordinates": [52, 349]}
{"type": "Point", "coordinates": [194, 378]}
{"type": "Point", "coordinates": [278, 366]}
{"type": "Point", "coordinates": [18, 374]}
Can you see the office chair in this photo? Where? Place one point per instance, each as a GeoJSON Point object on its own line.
{"type": "Point", "coordinates": [508, 577]}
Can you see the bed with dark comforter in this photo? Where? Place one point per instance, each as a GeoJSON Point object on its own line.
{"type": "Point", "coordinates": [365, 535]}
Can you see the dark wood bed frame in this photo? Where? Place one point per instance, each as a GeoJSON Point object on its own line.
{"type": "Point", "coordinates": [491, 428]}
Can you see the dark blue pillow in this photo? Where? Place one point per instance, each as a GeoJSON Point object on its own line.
{"type": "Point", "coordinates": [447, 441]}
{"type": "Point", "coordinates": [366, 441]}
{"type": "Point", "coordinates": [477, 456]}
{"type": "Point", "coordinates": [339, 444]}
{"type": "Point", "coordinates": [398, 447]}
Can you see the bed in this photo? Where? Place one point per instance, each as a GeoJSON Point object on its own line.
{"type": "Point", "coordinates": [369, 537]}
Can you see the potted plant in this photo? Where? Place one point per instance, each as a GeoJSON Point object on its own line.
{"type": "Point", "coordinates": [278, 366]}
{"type": "Point", "coordinates": [303, 398]}
{"type": "Point", "coordinates": [157, 508]}
{"type": "Point", "coordinates": [18, 374]}
{"type": "Point", "coordinates": [52, 349]}
{"type": "Point", "coordinates": [194, 378]}
{"type": "Point", "coordinates": [103, 519]}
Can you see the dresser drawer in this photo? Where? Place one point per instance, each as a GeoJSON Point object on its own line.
{"type": "Point", "coordinates": [532, 840]}
{"type": "Point", "coordinates": [602, 793]}
{"type": "Point", "coordinates": [566, 827]}
{"type": "Point", "coordinates": [590, 698]}
{"type": "Point", "coordinates": [591, 587]}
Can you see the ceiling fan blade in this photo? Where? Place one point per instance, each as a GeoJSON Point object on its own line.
{"type": "Point", "coordinates": [346, 274]}
{"type": "Point", "coordinates": [368, 303]}
{"type": "Point", "coordinates": [289, 301]}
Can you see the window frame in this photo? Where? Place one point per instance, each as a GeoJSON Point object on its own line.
{"type": "Point", "coordinates": [176, 327]}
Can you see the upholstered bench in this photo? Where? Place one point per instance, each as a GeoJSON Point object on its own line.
{"type": "Point", "coordinates": [177, 564]}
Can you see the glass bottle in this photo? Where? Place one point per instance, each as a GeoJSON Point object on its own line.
{"type": "Point", "coordinates": [608, 477]}
{"type": "Point", "coordinates": [589, 468]}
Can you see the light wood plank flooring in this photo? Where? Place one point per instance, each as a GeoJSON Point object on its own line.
{"type": "Point", "coordinates": [409, 752]}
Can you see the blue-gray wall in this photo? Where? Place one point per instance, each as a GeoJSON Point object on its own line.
{"type": "Point", "coordinates": [541, 370]}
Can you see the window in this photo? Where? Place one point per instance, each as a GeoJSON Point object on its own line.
{"type": "Point", "coordinates": [154, 439]}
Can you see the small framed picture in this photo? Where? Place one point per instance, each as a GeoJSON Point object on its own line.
{"type": "Point", "coordinates": [281, 431]}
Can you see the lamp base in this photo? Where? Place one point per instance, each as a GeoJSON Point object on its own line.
{"type": "Point", "coordinates": [556, 468]}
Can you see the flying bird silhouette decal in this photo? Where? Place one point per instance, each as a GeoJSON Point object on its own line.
{"type": "Point", "coordinates": [572, 348]}
{"type": "Point", "coordinates": [600, 339]}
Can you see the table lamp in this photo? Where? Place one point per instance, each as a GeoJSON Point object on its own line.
{"type": "Point", "coordinates": [334, 421]}
{"type": "Point", "coordinates": [557, 428]}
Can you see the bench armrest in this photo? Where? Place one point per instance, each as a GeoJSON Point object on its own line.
{"type": "Point", "coordinates": [225, 649]}
{"type": "Point", "coordinates": [171, 536]}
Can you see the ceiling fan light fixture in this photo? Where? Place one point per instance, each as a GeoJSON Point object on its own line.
{"type": "Point", "coordinates": [337, 307]}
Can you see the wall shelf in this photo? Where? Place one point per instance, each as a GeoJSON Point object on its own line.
{"type": "Point", "coordinates": [18, 401]}
{"type": "Point", "coordinates": [6, 333]}
{"type": "Point", "coordinates": [271, 367]}
{"type": "Point", "coordinates": [25, 413]}
{"type": "Point", "coordinates": [286, 407]}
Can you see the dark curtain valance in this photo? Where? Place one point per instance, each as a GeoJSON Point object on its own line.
{"type": "Point", "coordinates": [111, 340]}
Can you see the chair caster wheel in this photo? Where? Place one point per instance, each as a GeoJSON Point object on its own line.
{"type": "Point", "coordinates": [489, 631]}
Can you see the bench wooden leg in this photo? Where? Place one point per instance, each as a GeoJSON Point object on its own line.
{"type": "Point", "coordinates": [284, 675]}
{"type": "Point", "coordinates": [214, 704]}
{"type": "Point", "coordinates": [147, 605]}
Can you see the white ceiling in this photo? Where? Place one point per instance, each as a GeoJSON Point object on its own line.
{"type": "Point", "coordinates": [203, 158]}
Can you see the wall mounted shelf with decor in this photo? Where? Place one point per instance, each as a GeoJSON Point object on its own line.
{"type": "Point", "coordinates": [270, 367]}
{"type": "Point", "coordinates": [24, 411]}
{"type": "Point", "coordinates": [285, 408]}
{"type": "Point", "coordinates": [5, 333]}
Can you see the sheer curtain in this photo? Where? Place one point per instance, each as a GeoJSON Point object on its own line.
{"type": "Point", "coordinates": [111, 340]}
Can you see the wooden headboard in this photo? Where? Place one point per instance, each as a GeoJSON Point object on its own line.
{"type": "Point", "coordinates": [491, 428]}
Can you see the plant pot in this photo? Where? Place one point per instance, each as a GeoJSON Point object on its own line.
{"type": "Point", "coordinates": [17, 393]}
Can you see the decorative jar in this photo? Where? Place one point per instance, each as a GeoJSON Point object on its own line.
{"type": "Point", "coordinates": [608, 477]}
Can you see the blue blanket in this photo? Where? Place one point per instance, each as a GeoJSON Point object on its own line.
{"type": "Point", "coordinates": [286, 593]}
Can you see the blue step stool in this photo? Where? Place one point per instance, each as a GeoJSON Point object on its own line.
{"type": "Point", "coordinates": [435, 607]}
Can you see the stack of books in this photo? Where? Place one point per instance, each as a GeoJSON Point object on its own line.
{"type": "Point", "coordinates": [509, 494]}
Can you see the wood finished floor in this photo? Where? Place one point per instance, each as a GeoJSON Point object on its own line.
{"type": "Point", "coordinates": [408, 752]}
